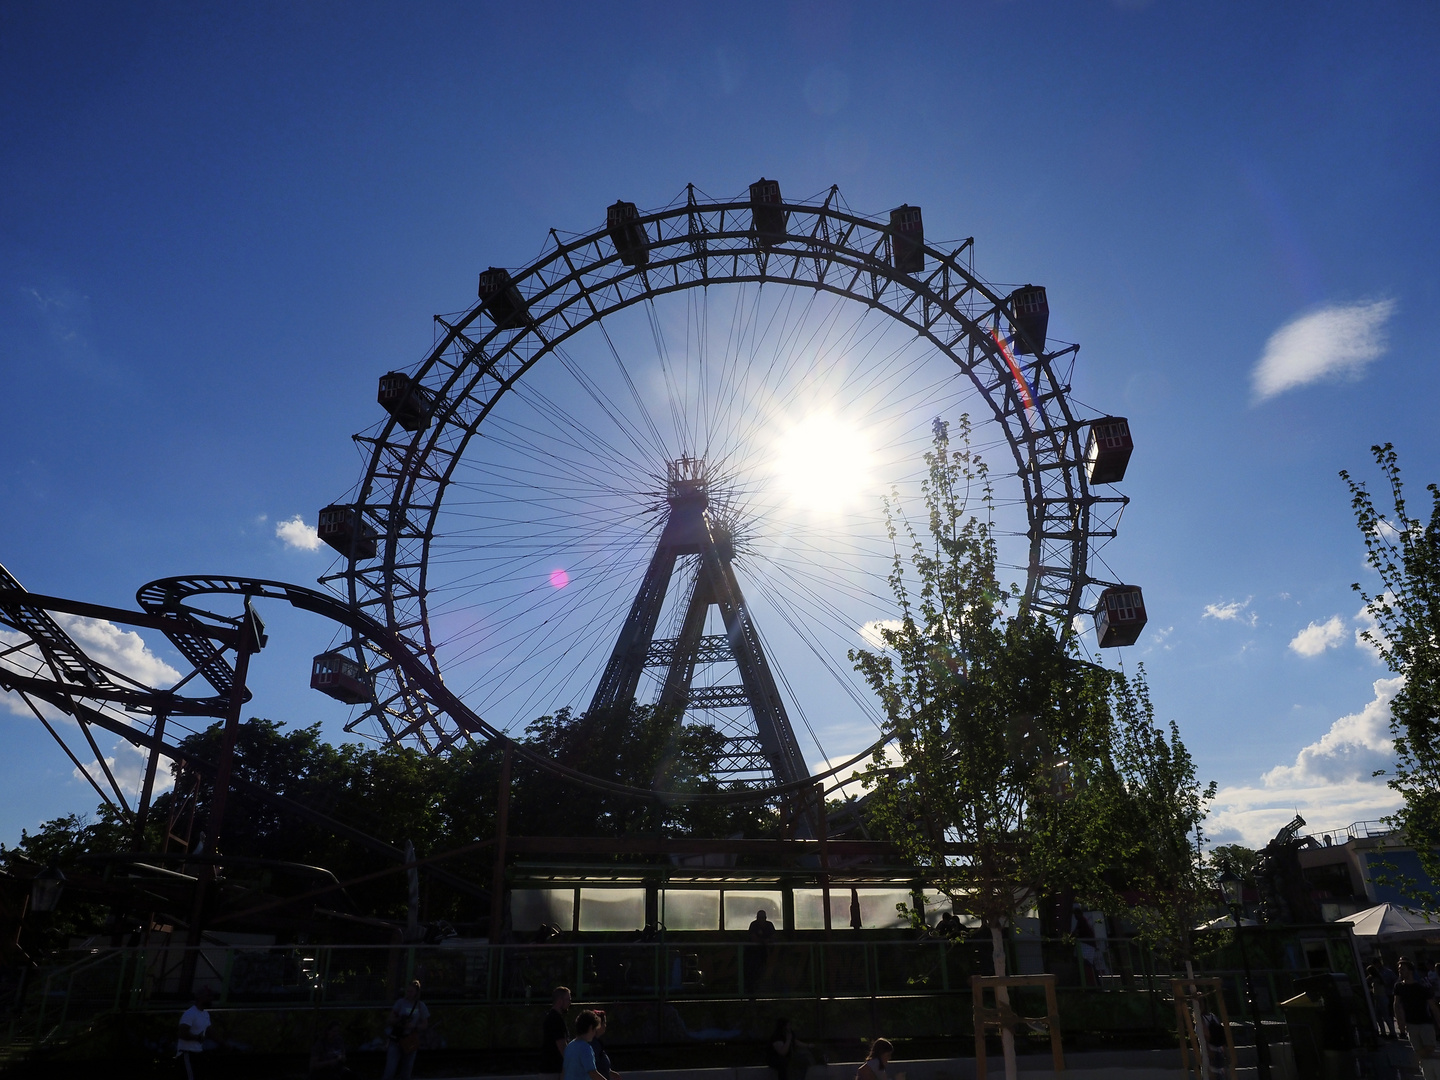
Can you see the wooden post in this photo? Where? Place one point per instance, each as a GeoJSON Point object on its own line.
{"type": "Point", "coordinates": [502, 825]}
{"type": "Point", "coordinates": [1189, 997]}
{"type": "Point", "coordinates": [1002, 1016]}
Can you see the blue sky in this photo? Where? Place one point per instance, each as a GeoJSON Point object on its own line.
{"type": "Point", "coordinates": [220, 225]}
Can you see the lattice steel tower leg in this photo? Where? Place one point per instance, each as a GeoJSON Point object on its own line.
{"type": "Point", "coordinates": [689, 531]}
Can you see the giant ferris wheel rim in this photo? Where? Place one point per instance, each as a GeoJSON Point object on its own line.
{"type": "Point", "coordinates": [583, 280]}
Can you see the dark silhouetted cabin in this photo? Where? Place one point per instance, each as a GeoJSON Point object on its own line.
{"type": "Point", "coordinates": [406, 400]}
{"type": "Point", "coordinates": [339, 676]}
{"type": "Point", "coordinates": [503, 302]}
{"type": "Point", "coordinates": [768, 217]}
{"type": "Point", "coordinates": [341, 528]}
{"type": "Point", "coordinates": [622, 222]}
{"type": "Point", "coordinates": [1120, 616]}
{"type": "Point", "coordinates": [907, 239]}
{"type": "Point", "coordinates": [1030, 316]}
{"type": "Point", "coordinates": [1108, 449]}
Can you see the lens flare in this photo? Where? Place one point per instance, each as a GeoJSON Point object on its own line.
{"type": "Point", "coordinates": [559, 579]}
{"type": "Point", "coordinates": [824, 463]}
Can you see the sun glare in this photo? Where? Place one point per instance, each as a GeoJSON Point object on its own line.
{"type": "Point", "coordinates": [824, 464]}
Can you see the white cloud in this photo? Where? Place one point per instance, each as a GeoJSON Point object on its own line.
{"type": "Point", "coordinates": [127, 765]}
{"type": "Point", "coordinates": [1368, 623]}
{"type": "Point", "coordinates": [1333, 342]}
{"type": "Point", "coordinates": [871, 632]}
{"type": "Point", "coordinates": [123, 650]}
{"type": "Point", "coordinates": [1317, 637]}
{"type": "Point", "coordinates": [104, 642]}
{"type": "Point", "coordinates": [1234, 611]}
{"type": "Point", "coordinates": [293, 532]}
{"type": "Point", "coordinates": [891, 757]}
{"type": "Point", "coordinates": [1329, 784]}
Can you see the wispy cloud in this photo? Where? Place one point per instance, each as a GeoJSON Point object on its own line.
{"type": "Point", "coordinates": [1330, 781]}
{"type": "Point", "coordinates": [1368, 623]}
{"type": "Point", "coordinates": [127, 765]}
{"type": "Point", "coordinates": [294, 533]}
{"type": "Point", "coordinates": [890, 756]}
{"type": "Point", "coordinates": [872, 633]}
{"type": "Point", "coordinates": [1333, 342]}
{"type": "Point", "coordinates": [1234, 611]}
{"type": "Point", "coordinates": [123, 650]}
{"type": "Point", "coordinates": [1317, 637]}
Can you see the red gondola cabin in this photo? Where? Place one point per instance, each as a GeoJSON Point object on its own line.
{"type": "Point", "coordinates": [907, 239]}
{"type": "Point", "coordinates": [340, 527]}
{"type": "Point", "coordinates": [1120, 616]}
{"type": "Point", "coordinates": [342, 678]}
{"type": "Point", "coordinates": [1030, 316]}
{"type": "Point", "coordinates": [503, 301]}
{"type": "Point", "coordinates": [406, 400]}
{"type": "Point", "coordinates": [622, 222]}
{"type": "Point", "coordinates": [768, 218]}
{"type": "Point", "coordinates": [1108, 449]}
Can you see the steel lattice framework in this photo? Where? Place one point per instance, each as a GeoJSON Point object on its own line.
{"type": "Point", "coordinates": [696, 243]}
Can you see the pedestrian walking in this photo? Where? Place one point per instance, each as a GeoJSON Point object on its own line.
{"type": "Point", "coordinates": [602, 1059]}
{"type": "Point", "coordinates": [874, 1065]}
{"type": "Point", "coordinates": [579, 1053]}
{"type": "Point", "coordinates": [194, 1023]}
{"type": "Point", "coordinates": [1384, 1000]}
{"type": "Point", "coordinates": [554, 1034]}
{"type": "Point", "coordinates": [408, 1018]}
{"type": "Point", "coordinates": [1418, 1015]}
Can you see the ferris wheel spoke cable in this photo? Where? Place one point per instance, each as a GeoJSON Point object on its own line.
{"type": "Point", "coordinates": [507, 661]}
{"type": "Point", "coordinates": [784, 609]}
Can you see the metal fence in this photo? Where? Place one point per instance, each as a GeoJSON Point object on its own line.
{"type": "Point", "coordinates": [464, 973]}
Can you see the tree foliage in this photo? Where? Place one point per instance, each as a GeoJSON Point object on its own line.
{"type": "Point", "coordinates": [397, 795]}
{"type": "Point", "coordinates": [1404, 551]}
{"type": "Point", "coordinates": [1023, 772]}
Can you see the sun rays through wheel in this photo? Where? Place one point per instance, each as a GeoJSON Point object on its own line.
{"type": "Point", "coordinates": [649, 466]}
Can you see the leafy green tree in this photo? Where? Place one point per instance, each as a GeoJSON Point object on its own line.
{"type": "Point", "coordinates": [1023, 772]}
{"type": "Point", "coordinates": [1142, 817]}
{"type": "Point", "coordinates": [984, 703]}
{"type": "Point", "coordinates": [1405, 552]}
{"type": "Point", "coordinates": [60, 842]}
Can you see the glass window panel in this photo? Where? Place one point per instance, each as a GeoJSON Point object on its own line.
{"type": "Point", "coordinates": [809, 909]}
{"type": "Point", "coordinates": [531, 907]}
{"type": "Point", "coordinates": [612, 909]}
{"type": "Point", "coordinates": [692, 909]}
{"type": "Point", "coordinates": [877, 908]}
{"type": "Point", "coordinates": [936, 905]}
{"type": "Point", "coordinates": [741, 905]}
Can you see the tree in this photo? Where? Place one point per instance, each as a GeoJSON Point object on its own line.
{"type": "Point", "coordinates": [984, 704]}
{"type": "Point", "coordinates": [1405, 552]}
{"type": "Point", "coordinates": [1022, 772]}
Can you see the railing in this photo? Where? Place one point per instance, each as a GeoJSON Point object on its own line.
{"type": "Point", "coordinates": [1115, 984]}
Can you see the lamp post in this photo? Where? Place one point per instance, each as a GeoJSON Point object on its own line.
{"type": "Point", "coordinates": [1230, 888]}
{"type": "Point", "coordinates": [46, 888]}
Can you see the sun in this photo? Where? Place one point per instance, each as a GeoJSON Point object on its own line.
{"type": "Point", "coordinates": [823, 464]}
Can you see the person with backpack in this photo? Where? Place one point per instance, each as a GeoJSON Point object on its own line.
{"type": "Point", "coordinates": [408, 1018]}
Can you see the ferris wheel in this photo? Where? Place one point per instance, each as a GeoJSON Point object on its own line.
{"type": "Point", "coordinates": [649, 468]}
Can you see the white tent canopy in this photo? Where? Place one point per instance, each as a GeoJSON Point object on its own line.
{"type": "Point", "coordinates": [1391, 922]}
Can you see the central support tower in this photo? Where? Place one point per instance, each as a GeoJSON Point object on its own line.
{"type": "Point", "coordinates": [768, 746]}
